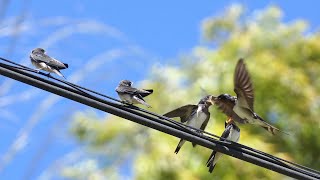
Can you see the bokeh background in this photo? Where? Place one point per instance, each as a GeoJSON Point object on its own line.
{"type": "Point", "coordinates": [183, 50]}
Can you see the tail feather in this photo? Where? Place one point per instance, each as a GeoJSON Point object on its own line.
{"type": "Point", "coordinates": [214, 157]}
{"type": "Point", "coordinates": [269, 127]}
{"type": "Point", "coordinates": [58, 73]}
{"type": "Point", "coordinates": [146, 92]}
{"type": "Point", "coordinates": [181, 142]}
{"type": "Point", "coordinates": [211, 168]}
{"type": "Point", "coordinates": [141, 101]}
{"type": "Point", "coordinates": [273, 129]}
{"type": "Point", "coordinates": [211, 158]}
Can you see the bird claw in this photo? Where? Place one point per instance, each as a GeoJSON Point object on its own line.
{"type": "Point", "coordinates": [126, 103]}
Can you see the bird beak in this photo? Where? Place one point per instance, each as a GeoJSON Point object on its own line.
{"type": "Point", "coordinates": [211, 99]}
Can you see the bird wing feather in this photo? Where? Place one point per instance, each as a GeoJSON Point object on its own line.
{"type": "Point", "coordinates": [183, 112]}
{"type": "Point", "coordinates": [48, 60]}
{"type": "Point", "coordinates": [243, 86]}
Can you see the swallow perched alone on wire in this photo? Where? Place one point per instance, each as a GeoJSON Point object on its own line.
{"type": "Point", "coordinates": [132, 95]}
{"type": "Point", "coordinates": [196, 116]}
{"type": "Point", "coordinates": [231, 133]}
{"type": "Point", "coordinates": [240, 108]}
{"type": "Point", "coordinates": [44, 62]}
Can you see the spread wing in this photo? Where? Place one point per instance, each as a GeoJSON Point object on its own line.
{"type": "Point", "coordinates": [39, 57]}
{"type": "Point", "coordinates": [243, 86]}
{"type": "Point", "coordinates": [183, 112]}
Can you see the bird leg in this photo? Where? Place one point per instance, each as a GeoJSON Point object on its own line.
{"type": "Point", "coordinates": [38, 70]}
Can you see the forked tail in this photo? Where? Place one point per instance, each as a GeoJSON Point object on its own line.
{"type": "Point", "coordinates": [181, 142]}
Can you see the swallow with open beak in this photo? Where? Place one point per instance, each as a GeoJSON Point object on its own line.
{"type": "Point", "coordinates": [231, 133]}
{"type": "Point", "coordinates": [44, 62]}
{"type": "Point", "coordinates": [240, 108]}
{"type": "Point", "coordinates": [131, 95]}
{"type": "Point", "coordinates": [196, 116]}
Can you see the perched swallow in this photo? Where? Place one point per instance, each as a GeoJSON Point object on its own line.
{"type": "Point", "coordinates": [196, 116]}
{"type": "Point", "coordinates": [132, 95]}
{"type": "Point", "coordinates": [231, 133]}
{"type": "Point", "coordinates": [44, 62]}
{"type": "Point", "coordinates": [240, 108]}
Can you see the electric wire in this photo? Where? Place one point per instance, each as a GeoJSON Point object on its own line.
{"type": "Point", "coordinates": [159, 119]}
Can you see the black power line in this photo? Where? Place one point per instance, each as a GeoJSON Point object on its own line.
{"type": "Point", "coordinates": [155, 121]}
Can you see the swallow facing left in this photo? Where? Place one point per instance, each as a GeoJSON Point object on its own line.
{"type": "Point", "coordinates": [241, 107]}
{"type": "Point", "coordinates": [132, 95]}
{"type": "Point", "coordinates": [232, 133]}
{"type": "Point", "coordinates": [196, 116]}
{"type": "Point", "coordinates": [44, 62]}
{"type": "Point", "coordinates": [225, 103]}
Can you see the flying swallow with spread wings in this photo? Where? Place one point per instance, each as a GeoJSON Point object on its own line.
{"type": "Point", "coordinates": [240, 108]}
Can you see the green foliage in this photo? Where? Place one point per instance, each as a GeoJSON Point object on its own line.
{"type": "Point", "coordinates": [284, 62]}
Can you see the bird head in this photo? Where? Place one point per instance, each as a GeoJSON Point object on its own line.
{"type": "Point", "coordinates": [125, 83]}
{"type": "Point", "coordinates": [226, 97]}
{"type": "Point", "coordinates": [38, 50]}
{"type": "Point", "coordinates": [203, 104]}
{"type": "Point", "coordinates": [211, 99]}
{"type": "Point", "coordinates": [207, 100]}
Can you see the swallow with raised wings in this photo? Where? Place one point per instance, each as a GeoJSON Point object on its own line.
{"type": "Point", "coordinates": [196, 116]}
{"type": "Point", "coordinates": [44, 62]}
{"type": "Point", "coordinates": [131, 95]}
{"type": "Point", "coordinates": [231, 133]}
{"type": "Point", "coordinates": [240, 108]}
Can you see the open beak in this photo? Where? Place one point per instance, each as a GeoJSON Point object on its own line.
{"type": "Point", "coordinates": [211, 99]}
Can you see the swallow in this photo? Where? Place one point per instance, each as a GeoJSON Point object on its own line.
{"type": "Point", "coordinates": [44, 62]}
{"type": "Point", "coordinates": [132, 95]}
{"type": "Point", "coordinates": [240, 108]}
{"type": "Point", "coordinates": [196, 116]}
{"type": "Point", "coordinates": [226, 103]}
{"type": "Point", "coordinates": [231, 133]}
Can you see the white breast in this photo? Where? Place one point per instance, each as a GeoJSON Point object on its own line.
{"type": "Point", "coordinates": [126, 97]}
{"type": "Point", "coordinates": [234, 135]}
{"type": "Point", "coordinates": [197, 121]}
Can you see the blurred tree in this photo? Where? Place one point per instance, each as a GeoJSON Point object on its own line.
{"type": "Point", "coordinates": [284, 62]}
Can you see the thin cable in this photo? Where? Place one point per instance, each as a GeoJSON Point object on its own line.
{"type": "Point", "coordinates": [192, 132]}
{"type": "Point", "coordinates": [180, 125]}
{"type": "Point", "coordinates": [229, 150]}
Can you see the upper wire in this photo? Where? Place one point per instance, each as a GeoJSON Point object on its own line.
{"type": "Point", "coordinates": [212, 137]}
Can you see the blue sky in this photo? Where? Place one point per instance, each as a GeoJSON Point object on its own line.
{"type": "Point", "coordinates": [117, 39]}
